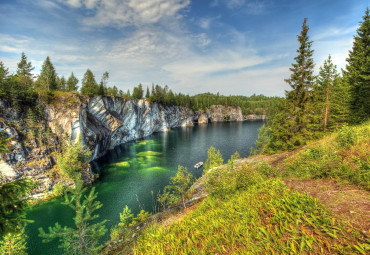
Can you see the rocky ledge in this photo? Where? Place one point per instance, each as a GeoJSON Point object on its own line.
{"type": "Point", "coordinates": [101, 122]}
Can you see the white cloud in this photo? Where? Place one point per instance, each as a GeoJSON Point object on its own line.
{"type": "Point", "coordinates": [122, 13]}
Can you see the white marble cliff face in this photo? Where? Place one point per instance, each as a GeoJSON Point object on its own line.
{"type": "Point", "coordinates": [105, 122]}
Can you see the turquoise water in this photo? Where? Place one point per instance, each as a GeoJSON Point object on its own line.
{"type": "Point", "coordinates": [133, 173]}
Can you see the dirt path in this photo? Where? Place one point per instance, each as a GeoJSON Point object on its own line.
{"type": "Point", "coordinates": [347, 202]}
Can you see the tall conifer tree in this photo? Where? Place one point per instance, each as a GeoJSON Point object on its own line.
{"type": "Point", "coordinates": [84, 237]}
{"type": "Point", "coordinates": [357, 73]}
{"type": "Point", "coordinates": [302, 79]}
{"type": "Point", "coordinates": [24, 70]}
{"type": "Point", "coordinates": [89, 86]}
{"type": "Point", "coordinates": [72, 83]}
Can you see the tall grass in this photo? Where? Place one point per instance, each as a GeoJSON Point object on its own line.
{"type": "Point", "coordinates": [343, 156]}
{"type": "Point", "coordinates": [266, 218]}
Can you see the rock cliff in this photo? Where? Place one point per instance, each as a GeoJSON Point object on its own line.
{"type": "Point", "coordinates": [101, 122]}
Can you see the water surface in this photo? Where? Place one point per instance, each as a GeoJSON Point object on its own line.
{"type": "Point", "coordinates": [133, 173]}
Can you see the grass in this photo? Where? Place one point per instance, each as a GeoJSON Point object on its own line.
{"type": "Point", "coordinates": [265, 218]}
{"type": "Point", "coordinates": [343, 156]}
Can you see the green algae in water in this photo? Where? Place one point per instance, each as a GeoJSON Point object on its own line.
{"type": "Point", "coordinates": [148, 153]}
{"type": "Point", "coordinates": [154, 169]}
{"type": "Point", "coordinates": [123, 164]}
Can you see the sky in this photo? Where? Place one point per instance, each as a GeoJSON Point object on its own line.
{"type": "Point", "coordinates": [234, 47]}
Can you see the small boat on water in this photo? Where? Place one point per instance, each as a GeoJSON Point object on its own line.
{"type": "Point", "coordinates": [199, 164]}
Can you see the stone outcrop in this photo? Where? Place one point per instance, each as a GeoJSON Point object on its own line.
{"type": "Point", "coordinates": [101, 122]}
{"type": "Point", "coordinates": [105, 122]}
{"type": "Point", "coordinates": [219, 113]}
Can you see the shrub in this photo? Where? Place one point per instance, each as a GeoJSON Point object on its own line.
{"type": "Point", "coordinates": [347, 136]}
{"type": "Point", "coordinates": [59, 189]}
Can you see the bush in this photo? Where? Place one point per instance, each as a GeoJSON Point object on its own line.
{"type": "Point", "coordinates": [59, 189]}
{"type": "Point", "coordinates": [226, 180]}
{"type": "Point", "coordinates": [347, 136]}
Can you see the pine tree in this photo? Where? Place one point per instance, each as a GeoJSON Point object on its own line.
{"type": "Point", "coordinates": [48, 77]}
{"type": "Point", "coordinates": [103, 84]}
{"type": "Point", "coordinates": [301, 80]}
{"type": "Point", "coordinates": [138, 92]}
{"type": "Point", "coordinates": [357, 73]}
{"type": "Point", "coordinates": [24, 70]}
{"type": "Point", "coordinates": [61, 83]}
{"type": "Point", "coordinates": [72, 160]}
{"type": "Point", "coordinates": [89, 86]}
{"type": "Point", "coordinates": [331, 97]}
{"type": "Point", "coordinates": [72, 83]}
{"type": "Point", "coordinates": [14, 243]}
{"type": "Point", "coordinates": [84, 238]}
{"type": "Point", "coordinates": [214, 159]}
{"type": "Point", "coordinates": [3, 77]}
{"type": "Point", "coordinates": [325, 81]}
{"type": "Point", "coordinates": [147, 95]}
{"type": "Point", "coordinates": [12, 205]}
{"type": "Point", "coordinates": [180, 183]}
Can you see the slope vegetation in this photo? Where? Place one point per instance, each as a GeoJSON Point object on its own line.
{"type": "Point", "coordinates": [289, 203]}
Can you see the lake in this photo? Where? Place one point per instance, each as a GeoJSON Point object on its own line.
{"type": "Point", "coordinates": [132, 174]}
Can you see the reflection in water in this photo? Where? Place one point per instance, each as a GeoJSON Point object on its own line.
{"type": "Point", "coordinates": [132, 172]}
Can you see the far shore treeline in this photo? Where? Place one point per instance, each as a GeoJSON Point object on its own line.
{"type": "Point", "coordinates": [24, 89]}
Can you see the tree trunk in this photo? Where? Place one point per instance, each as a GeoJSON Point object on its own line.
{"type": "Point", "coordinates": [327, 106]}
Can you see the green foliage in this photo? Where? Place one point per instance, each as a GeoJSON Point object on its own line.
{"type": "Point", "coordinates": [47, 80]}
{"type": "Point", "coordinates": [177, 188]}
{"type": "Point", "coordinates": [61, 83]}
{"type": "Point", "coordinates": [4, 72]}
{"type": "Point", "coordinates": [73, 159]}
{"type": "Point", "coordinates": [14, 243]}
{"type": "Point", "coordinates": [347, 136]}
{"type": "Point", "coordinates": [24, 71]}
{"type": "Point", "coordinates": [357, 73]}
{"type": "Point", "coordinates": [84, 237]}
{"type": "Point", "coordinates": [264, 218]}
{"type": "Point", "coordinates": [72, 82]}
{"type": "Point", "coordinates": [89, 86]}
{"type": "Point", "coordinates": [138, 92]}
{"type": "Point", "coordinates": [214, 159]}
{"type": "Point", "coordinates": [125, 217]}
{"type": "Point", "coordinates": [13, 202]}
{"type": "Point", "coordinates": [140, 218]}
{"type": "Point", "coordinates": [331, 97]}
{"type": "Point", "coordinates": [227, 179]}
{"type": "Point", "coordinates": [59, 189]}
{"type": "Point", "coordinates": [3, 143]}
{"type": "Point", "coordinates": [344, 156]}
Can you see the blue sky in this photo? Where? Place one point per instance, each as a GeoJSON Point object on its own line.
{"type": "Point", "coordinates": [237, 47]}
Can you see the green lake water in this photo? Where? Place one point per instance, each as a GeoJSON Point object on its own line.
{"type": "Point", "coordinates": [133, 173]}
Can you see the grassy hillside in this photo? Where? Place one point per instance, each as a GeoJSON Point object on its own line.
{"type": "Point", "coordinates": [250, 210]}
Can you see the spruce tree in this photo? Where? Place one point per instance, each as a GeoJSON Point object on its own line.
{"type": "Point", "coordinates": [84, 238]}
{"type": "Point", "coordinates": [24, 70]}
{"type": "Point", "coordinates": [147, 95]}
{"type": "Point", "coordinates": [61, 83]}
{"type": "Point", "coordinates": [48, 77]}
{"type": "Point", "coordinates": [357, 73]}
{"type": "Point", "coordinates": [301, 80]}
{"type": "Point", "coordinates": [72, 83]}
{"type": "Point", "coordinates": [214, 159]}
{"type": "Point", "coordinates": [325, 81]}
{"type": "Point", "coordinates": [89, 86]}
{"type": "Point", "coordinates": [14, 243]}
{"type": "Point", "coordinates": [103, 84]}
{"type": "Point", "coordinates": [331, 97]}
